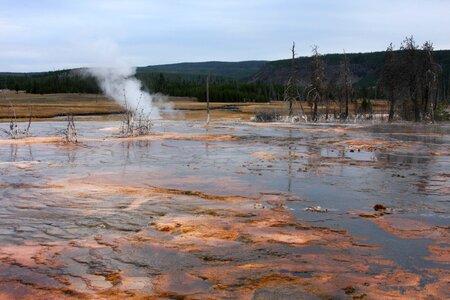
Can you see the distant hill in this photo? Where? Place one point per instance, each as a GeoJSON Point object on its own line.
{"type": "Point", "coordinates": [232, 70]}
{"type": "Point", "coordinates": [365, 68]}
{"type": "Point", "coordinates": [22, 73]}
{"type": "Point", "coordinates": [245, 80]}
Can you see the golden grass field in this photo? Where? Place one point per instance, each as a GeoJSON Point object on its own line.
{"type": "Point", "coordinates": [53, 105]}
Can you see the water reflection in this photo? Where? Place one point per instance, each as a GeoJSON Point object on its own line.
{"type": "Point", "coordinates": [290, 156]}
{"type": "Point", "coordinates": [13, 153]}
{"type": "Point", "coordinates": [18, 153]}
{"type": "Point", "coordinates": [402, 158]}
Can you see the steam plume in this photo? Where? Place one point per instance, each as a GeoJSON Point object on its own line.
{"type": "Point", "coordinates": [120, 84]}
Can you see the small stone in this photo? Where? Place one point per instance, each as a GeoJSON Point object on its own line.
{"type": "Point", "coordinates": [379, 207]}
{"type": "Point", "coordinates": [349, 290]}
{"type": "Point", "coordinates": [316, 209]}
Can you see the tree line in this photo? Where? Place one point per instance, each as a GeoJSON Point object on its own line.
{"type": "Point", "coordinates": [409, 78]}
{"type": "Point", "coordinates": [63, 81]}
{"type": "Point", "coordinates": [221, 89]}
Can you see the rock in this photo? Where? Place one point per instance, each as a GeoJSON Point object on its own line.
{"type": "Point", "coordinates": [316, 209]}
{"type": "Point", "coordinates": [349, 290]}
{"type": "Point", "coordinates": [379, 207]}
{"type": "Point", "coordinates": [258, 206]}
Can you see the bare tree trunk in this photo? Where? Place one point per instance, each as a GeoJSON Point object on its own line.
{"type": "Point", "coordinates": [347, 85]}
{"type": "Point", "coordinates": [71, 133]}
{"type": "Point", "coordinates": [30, 115]}
{"type": "Point", "coordinates": [315, 111]}
{"type": "Point", "coordinates": [346, 103]}
{"type": "Point", "coordinates": [405, 110]}
{"type": "Point", "coordinates": [291, 100]}
{"type": "Point", "coordinates": [425, 97]}
{"type": "Point", "coordinates": [318, 83]}
{"type": "Point", "coordinates": [432, 112]}
{"type": "Point", "coordinates": [391, 106]}
{"type": "Point", "coordinates": [208, 118]}
{"type": "Point", "coordinates": [434, 101]}
{"type": "Point", "coordinates": [290, 109]}
{"type": "Point", "coordinates": [416, 107]}
{"type": "Point", "coordinates": [291, 93]}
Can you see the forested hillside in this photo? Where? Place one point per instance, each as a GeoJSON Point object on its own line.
{"type": "Point", "coordinates": [365, 68]}
{"type": "Point", "coordinates": [230, 70]}
{"type": "Point", "coordinates": [230, 81]}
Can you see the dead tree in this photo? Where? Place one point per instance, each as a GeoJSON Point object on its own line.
{"type": "Point", "coordinates": [30, 116]}
{"type": "Point", "coordinates": [410, 79]}
{"type": "Point", "coordinates": [345, 83]}
{"type": "Point", "coordinates": [291, 93]}
{"type": "Point", "coordinates": [14, 132]}
{"type": "Point", "coordinates": [13, 127]}
{"type": "Point", "coordinates": [390, 79]}
{"type": "Point", "coordinates": [70, 134]}
{"type": "Point", "coordinates": [208, 118]}
{"type": "Point", "coordinates": [136, 121]}
{"type": "Point", "coordinates": [316, 92]}
{"type": "Point", "coordinates": [430, 72]}
{"type": "Point", "coordinates": [409, 52]}
{"type": "Point", "coordinates": [127, 127]}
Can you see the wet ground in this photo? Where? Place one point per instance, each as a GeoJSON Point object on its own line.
{"type": "Point", "coordinates": [236, 210]}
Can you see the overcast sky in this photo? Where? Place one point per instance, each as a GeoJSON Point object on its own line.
{"type": "Point", "coordinates": [55, 34]}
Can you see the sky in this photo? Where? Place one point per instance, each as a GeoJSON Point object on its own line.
{"type": "Point", "coordinates": [49, 35]}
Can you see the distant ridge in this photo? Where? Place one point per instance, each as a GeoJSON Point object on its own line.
{"type": "Point", "coordinates": [232, 70]}
{"type": "Point", "coordinates": [365, 68]}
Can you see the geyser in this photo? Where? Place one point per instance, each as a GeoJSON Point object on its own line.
{"type": "Point", "coordinates": [120, 84]}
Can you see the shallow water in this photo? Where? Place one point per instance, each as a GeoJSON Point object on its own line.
{"type": "Point", "coordinates": [220, 212]}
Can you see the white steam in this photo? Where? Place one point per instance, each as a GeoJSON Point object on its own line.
{"type": "Point", "coordinates": [120, 84]}
{"type": "Point", "coordinates": [116, 77]}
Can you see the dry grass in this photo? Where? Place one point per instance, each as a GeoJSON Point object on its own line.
{"type": "Point", "coordinates": [53, 105]}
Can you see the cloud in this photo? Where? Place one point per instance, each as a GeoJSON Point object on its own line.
{"type": "Point", "coordinates": [154, 32]}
